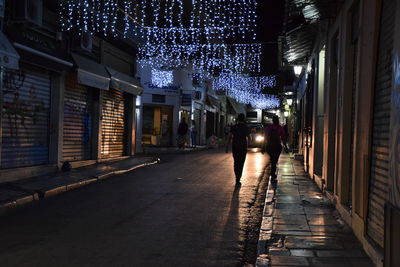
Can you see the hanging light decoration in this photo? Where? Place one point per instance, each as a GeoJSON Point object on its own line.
{"type": "Point", "coordinates": [221, 57]}
{"type": "Point", "coordinates": [248, 90]}
{"type": "Point", "coordinates": [161, 78]}
{"type": "Point", "coordinates": [171, 41]}
{"type": "Point", "coordinates": [160, 21]}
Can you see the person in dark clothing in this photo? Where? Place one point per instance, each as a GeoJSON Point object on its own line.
{"type": "Point", "coordinates": [275, 136]}
{"type": "Point", "coordinates": [238, 137]}
{"type": "Point", "coordinates": [182, 131]}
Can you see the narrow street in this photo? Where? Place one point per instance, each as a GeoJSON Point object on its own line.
{"type": "Point", "coordinates": [184, 211]}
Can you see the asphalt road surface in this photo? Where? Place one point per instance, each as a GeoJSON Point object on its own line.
{"type": "Point", "coordinates": [185, 211]}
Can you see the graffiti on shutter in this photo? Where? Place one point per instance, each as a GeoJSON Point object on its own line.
{"type": "Point", "coordinates": [25, 117]}
{"type": "Point", "coordinates": [113, 124]}
{"type": "Point", "coordinates": [77, 143]}
{"type": "Point", "coordinates": [378, 188]}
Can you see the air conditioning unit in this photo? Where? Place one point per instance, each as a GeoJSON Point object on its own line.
{"type": "Point", "coordinates": [83, 41]}
{"type": "Point", "coordinates": [28, 10]}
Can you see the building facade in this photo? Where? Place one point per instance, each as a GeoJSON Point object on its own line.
{"type": "Point", "coordinates": [348, 120]}
{"type": "Point", "coordinates": [71, 98]}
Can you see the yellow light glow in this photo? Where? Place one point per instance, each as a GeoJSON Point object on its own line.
{"type": "Point", "coordinates": [259, 138]}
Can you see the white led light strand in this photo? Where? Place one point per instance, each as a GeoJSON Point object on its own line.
{"type": "Point", "coordinates": [237, 58]}
{"type": "Point", "coordinates": [161, 78]}
{"type": "Point", "coordinates": [248, 90]}
{"type": "Point", "coordinates": [210, 20]}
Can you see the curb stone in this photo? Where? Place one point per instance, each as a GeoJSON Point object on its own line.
{"type": "Point", "coordinates": [7, 206]}
{"type": "Point", "coordinates": [21, 200]}
{"type": "Point", "coordinates": [42, 194]}
{"type": "Point", "coordinates": [266, 227]}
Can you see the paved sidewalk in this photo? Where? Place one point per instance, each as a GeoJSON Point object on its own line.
{"type": "Point", "coordinates": [19, 193]}
{"type": "Point", "coordinates": [301, 227]}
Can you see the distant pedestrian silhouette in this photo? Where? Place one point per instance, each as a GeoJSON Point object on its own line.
{"type": "Point", "coordinates": [239, 137]}
{"type": "Point", "coordinates": [275, 135]}
{"type": "Point", "coordinates": [182, 131]}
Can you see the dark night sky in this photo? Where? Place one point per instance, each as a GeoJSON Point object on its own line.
{"type": "Point", "coordinates": [270, 21]}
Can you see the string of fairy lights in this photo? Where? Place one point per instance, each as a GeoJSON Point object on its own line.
{"type": "Point", "coordinates": [159, 21]}
{"type": "Point", "coordinates": [248, 90]}
{"type": "Point", "coordinates": [178, 33]}
{"type": "Point", "coordinates": [236, 58]}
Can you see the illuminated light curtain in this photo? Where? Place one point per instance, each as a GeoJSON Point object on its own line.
{"type": "Point", "coordinates": [226, 58]}
{"type": "Point", "coordinates": [248, 90]}
{"type": "Point", "coordinates": [160, 21]}
{"type": "Point", "coordinates": [169, 40]}
{"type": "Point", "coordinates": [162, 78]}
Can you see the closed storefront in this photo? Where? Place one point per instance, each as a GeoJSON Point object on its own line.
{"type": "Point", "coordinates": [25, 117]}
{"type": "Point", "coordinates": [210, 124]}
{"type": "Point", "coordinates": [78, 121]}
{"type": "Point", "coordinates": [113, 124]}
{"type": "Point", "coordinates": [378, 188]}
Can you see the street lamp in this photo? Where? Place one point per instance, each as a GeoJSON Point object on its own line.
{"type": "Point", "coordinates": [289, 101]}
{"type": "Point", "coordinates": [297, 70]}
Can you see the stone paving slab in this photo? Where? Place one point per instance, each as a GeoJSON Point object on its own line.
{"type": "Point", "coordinates": [290, 227]}
{"type": "Point", "coordinates": [297, 232]}
{"type": "Point", "coordinates": [313, 242]}
{"type": "Point", "coordinates": [292, 217]}
{"type": "Point", "coordinates": [307, 231]}
{"type": "Point", "coordinates": [289, 261]}
{"type": "Point", "coordinates": [291, 220]}
{"type": "Point", "coordinates": [288, 212]}
{"type": "Point", "coordinates": [302, 253]}
{"type": "Point", "coordinates": [348, 253]}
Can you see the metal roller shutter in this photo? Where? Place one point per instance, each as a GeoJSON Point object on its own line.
{"type": "Point", "coordinates": [26, 111]}
{"type": "Point", "coordinates": [77, 143]}
{"type": "Point", "coordinates": [210, 124]}
{"type": "Point", "coordinates": [378, 189]}
{"type": "Point", "coordinates": [113, 124]}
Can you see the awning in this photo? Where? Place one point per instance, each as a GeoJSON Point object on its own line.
{"type": "Point", "coordinates": [124, 82]}
{"type": "Point", "coordinates": [238, 107]}
{"type": "Point", "coordinates": [211, 101]}
{"type": "Point", "coordinates": [91, 73]}
{"type": "Point", "coordinates": [8, 55]}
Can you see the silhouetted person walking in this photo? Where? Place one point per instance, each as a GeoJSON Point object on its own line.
{"type": "Point", "coordinates": [182, 131]}
{"type": "Point", "coordinates": [193, 133]}
{"type": "Point", "coordinates": [275, 136]}
{"type": "Point", "coordinates": [238, 136]}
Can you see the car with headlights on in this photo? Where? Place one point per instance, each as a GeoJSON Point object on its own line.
{"type": "Point", "coordinates": [256, 136]}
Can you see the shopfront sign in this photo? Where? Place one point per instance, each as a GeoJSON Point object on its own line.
{"type": "Point", "coordinates": [170, 90]}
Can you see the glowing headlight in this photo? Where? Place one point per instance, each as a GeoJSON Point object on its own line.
{"type": "Point", "coordinates": [259, 138]}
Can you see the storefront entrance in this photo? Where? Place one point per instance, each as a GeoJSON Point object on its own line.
{"type": "Point", "coordinates": [157, 125]}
